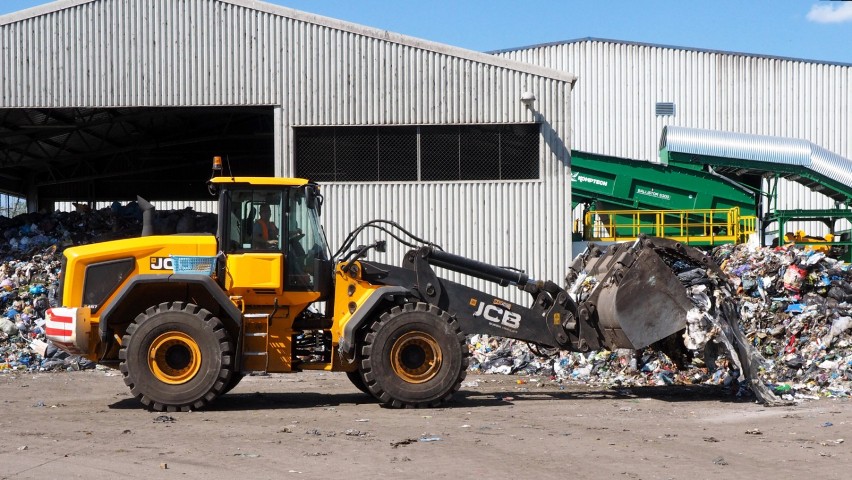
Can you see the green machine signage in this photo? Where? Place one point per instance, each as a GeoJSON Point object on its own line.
{"type": "Point", "coordinates": [662, 196]}
{"type": "Point", "coordinates": [595, 182]}
{"type": "Point", "coordinates": [650, 192]}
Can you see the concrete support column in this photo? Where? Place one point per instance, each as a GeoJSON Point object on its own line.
{"type": "Point", "coordinates": [32, 194]}
{"type": "Point", "coordinates": [280, 141]}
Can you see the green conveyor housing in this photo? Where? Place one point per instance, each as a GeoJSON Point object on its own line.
{"type": "Point", "coordinates": [611, 183]}
{"type": "Point", "coordinates": [624, 183]}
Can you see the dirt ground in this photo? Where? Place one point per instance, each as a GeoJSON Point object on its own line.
{"type": "Point", "coordinates": [317, 425]}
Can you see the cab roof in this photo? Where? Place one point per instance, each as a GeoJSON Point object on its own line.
{"type": "Point", "coordinates": [261, 181]}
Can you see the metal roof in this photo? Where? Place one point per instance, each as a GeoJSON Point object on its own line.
{"type": "Point", "coordinates": [333, 23]}
{"type": "Point", "coordinates": [778, 154]}
{"type": "Point", "coordinates": [673, 47]}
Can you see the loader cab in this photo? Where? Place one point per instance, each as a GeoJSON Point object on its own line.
{"type": "Point", "coordinates": [272, 240]}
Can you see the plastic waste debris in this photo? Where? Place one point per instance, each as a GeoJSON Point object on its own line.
{"type": "Point", "coordinates": [30, 248]}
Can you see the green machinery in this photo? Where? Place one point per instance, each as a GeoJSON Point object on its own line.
{"type": "Point", "coordinates": [708, 188]}
{"type": "Point", "coordinates": [627, 197]}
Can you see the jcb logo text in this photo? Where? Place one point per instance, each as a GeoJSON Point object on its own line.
{"type": "Point", "coordinates": [498, 315]}
{"type": "Point", "coordinates": [161, 263]}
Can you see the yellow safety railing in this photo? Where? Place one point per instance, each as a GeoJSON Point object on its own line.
{"type": "Point", "coordinates": [704, 226]}
{"type": "Point", "coordinates": [748, 226]}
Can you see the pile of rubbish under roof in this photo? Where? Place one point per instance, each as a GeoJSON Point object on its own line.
{"type": "Point", "coordinates": [794, 307]}
{"type": "Point", "coordinates": [29, 271]}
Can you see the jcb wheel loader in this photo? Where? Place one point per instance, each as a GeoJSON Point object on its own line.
{"type": "Point", "coordinates": [185, 317]}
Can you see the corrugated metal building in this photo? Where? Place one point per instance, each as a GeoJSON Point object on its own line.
{"type": "Point", "coordinates": [629, 91]}
{"type": "Point", "coordinates": [325, 87]}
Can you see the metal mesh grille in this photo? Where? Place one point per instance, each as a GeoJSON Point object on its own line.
{"type": "Point", "coordinates": [445, 153]}
{"type": "Point", "coordinates": [664, 108]}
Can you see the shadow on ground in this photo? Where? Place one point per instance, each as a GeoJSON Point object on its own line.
{"type": "Point", "coordinates": [481, 397]}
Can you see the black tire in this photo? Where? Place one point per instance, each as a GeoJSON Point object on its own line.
{"type": "Point", "coordinates": [357, 380]}
{"type": "Point", "coordinates": [414, 356]}
{"type": "Point", "coordinates": [176, 357]}
{"type": "Point", "coordinates": [233, 382]}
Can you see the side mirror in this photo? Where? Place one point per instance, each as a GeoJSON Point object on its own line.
{"type": "Point", "coordinates": [314, 199]}
{"type": "Point", "coordinates": [323, 275]}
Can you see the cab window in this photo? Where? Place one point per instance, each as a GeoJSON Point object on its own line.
{"type": "Point", "coordinates": [255, 220]}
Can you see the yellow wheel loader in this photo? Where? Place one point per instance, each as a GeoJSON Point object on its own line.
{"type": "Point", "coordinates": [185, 317]}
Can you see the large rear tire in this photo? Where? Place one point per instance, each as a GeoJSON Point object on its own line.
{"type": "Point", "coordinates": [176, 357]}
{"type": "Point", "coordinates": [233, 382]}
{"type": "Point", "coordinates": [414, 357]}
{"type": "Point", "coordinates": [357, 380]}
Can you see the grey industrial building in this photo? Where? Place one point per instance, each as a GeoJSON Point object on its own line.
{"type": "Point", "coordinates": [105, 99]}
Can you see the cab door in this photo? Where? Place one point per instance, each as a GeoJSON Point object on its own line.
{"type": "Point", "coordinates": [254, 267]}
{"type": "Point", "coordinates": [272, 243]}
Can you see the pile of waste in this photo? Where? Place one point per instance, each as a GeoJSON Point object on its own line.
{"type": "Point", "coordinates": [792, 304]}
{"type": "Point", "coordinates": [796, 309]}
{"type": "Point", "coordinates": [29, 271]}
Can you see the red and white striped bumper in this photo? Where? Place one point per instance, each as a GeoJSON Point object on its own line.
{"type": "Point", "coordinates": [68, 329]}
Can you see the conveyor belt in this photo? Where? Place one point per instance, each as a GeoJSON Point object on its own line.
{"type": "Point", "coordinates": [736, 154]}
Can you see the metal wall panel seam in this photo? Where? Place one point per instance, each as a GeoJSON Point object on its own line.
{"type": "Point", "coordinates": [175, 53]}
{"type": "Point", "coordinates": [20, 65]}
{"type": "Point", "coordinates": [85, 87]}
{"type": "Point", "coordinates": [235, 55]}
{"type": "Point", "coordinates": [28, 63]}
{"type": "Point", "coordinates": [84, 50]}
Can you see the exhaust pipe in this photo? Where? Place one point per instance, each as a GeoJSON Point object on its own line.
{"type": "Point", "coordinates": [147, 216]}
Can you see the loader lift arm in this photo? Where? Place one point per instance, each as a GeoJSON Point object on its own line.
{"type": "Point", "coordinates": [546, 322]}
{"type": "Point", "coordinates": [408, 339]}
{"type": "Point", "coordinates": [551, 319]}
{"type": "Point", "coordinates": [637, 300]}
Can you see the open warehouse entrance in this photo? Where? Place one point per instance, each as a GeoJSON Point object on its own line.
{"type": "Point", "coordinates": [104, 154]}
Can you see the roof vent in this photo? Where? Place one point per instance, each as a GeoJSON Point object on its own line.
{"type": "Point", "coordinates": [665, 108]}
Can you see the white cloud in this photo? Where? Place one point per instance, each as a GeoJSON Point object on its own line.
{"type": "Point", "coordinates": [831, 13]}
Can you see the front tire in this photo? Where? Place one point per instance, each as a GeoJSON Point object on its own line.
{"type": "Point", "coordinates": [414, 356]}
{"type": "Point", "coordinates": [176, 357]}
{"type": "Point", "coordinates": [357, 380]}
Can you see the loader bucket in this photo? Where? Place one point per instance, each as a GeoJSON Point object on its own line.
{"type": "Point", "coordinates": [628, 295]}
{"type": "Point", "coordinates": [646, 305]}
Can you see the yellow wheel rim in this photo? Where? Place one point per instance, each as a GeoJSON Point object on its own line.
{"type": "Point", "coordinates": [416, 357]}
{"type": "Point", "coordinates": [174, 358]}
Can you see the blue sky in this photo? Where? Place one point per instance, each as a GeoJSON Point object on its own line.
{"type": "Point", "coordinates": [809, 29]}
